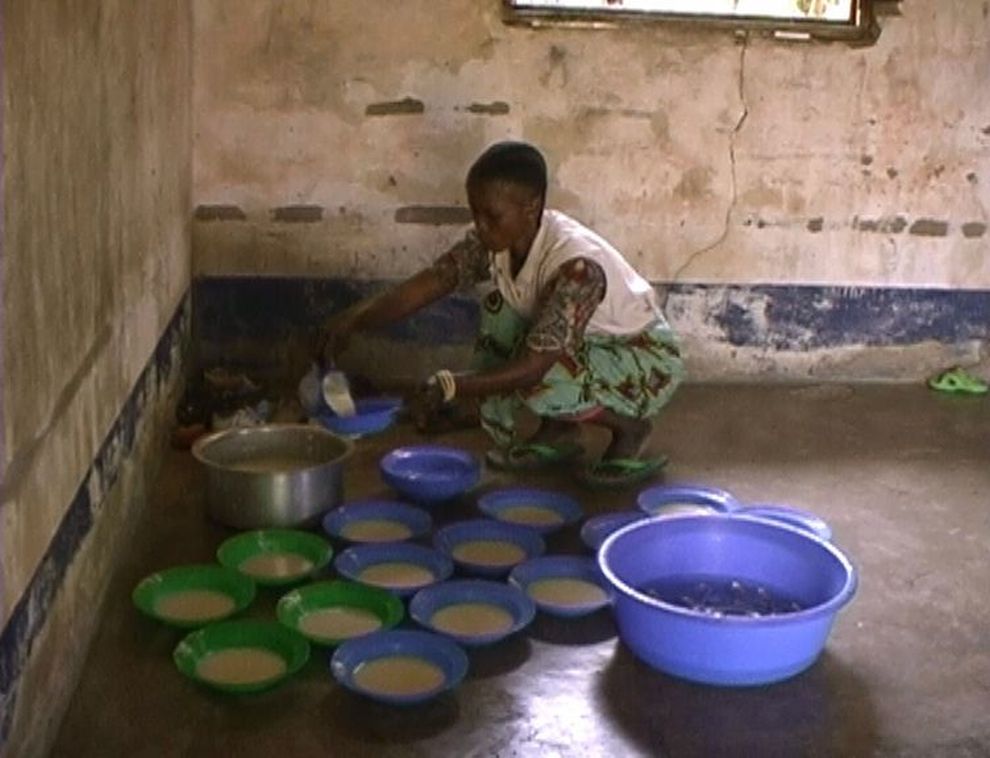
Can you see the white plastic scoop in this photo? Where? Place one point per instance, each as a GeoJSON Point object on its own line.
{"type": "Point", "coordinates": [337, 393]}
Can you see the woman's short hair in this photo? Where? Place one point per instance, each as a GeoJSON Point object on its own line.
{"type": "Point", "coordinates": [516, 162]}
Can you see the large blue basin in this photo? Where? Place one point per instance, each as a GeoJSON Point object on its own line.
{"type": "Point", "coordinates": [677, 578]}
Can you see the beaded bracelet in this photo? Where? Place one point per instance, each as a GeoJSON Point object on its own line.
{"type": "Point", "coordinates": [447, 383]}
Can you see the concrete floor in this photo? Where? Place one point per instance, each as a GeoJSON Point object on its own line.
{"type": "Point", "coordinates": [901, 474]}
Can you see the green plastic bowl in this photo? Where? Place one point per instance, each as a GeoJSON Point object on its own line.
{"type": "Point", "coordinates": [235, 551]}
{"type": "Point", "coordinates": [153, 588]}
{"type": "Point", "coordinates": [294, 606]}
{"type": "Point", "coordinates": [267, 635]}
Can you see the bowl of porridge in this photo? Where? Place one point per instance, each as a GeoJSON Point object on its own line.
{"type": "Point", "coordinates": [472, 612]}
{"type": "Point", "coordinates": [275, 556]}
{"type": "Point", "coordinates": [402, 568]}
{"type": "Point", "coordinates": [543, 510]}
{"type": "Point", "coordinates": [192, 596]}
{"type": "Point", "coordinates": [596, 529]}
{"type": "Point", "coordinates": [399, 667]}
{"type": "Point", "coordinates": [677, 499]}
{"type": "Point", "coordinates": [377, 521]}
{"type": "Point", "coordinates": [329, 613]}
{"type": "Point", "coordinates": [563, 585]}
{"type": "Point", "coordinates": [241, 656]}
{"type": "Point", "coordinates": [488, 547]}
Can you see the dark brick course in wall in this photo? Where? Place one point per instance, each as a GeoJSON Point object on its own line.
{"type": "Point", "coordinates": [306, 214]}
{"type": "Point", "coordinates": [435, 215]}
{"type": "Point", "coordinates": [219, 213]}
{"type": "Point", "coordinates": [405, 107]}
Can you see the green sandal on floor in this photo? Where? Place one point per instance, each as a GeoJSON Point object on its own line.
{"type": "Point", "coordinates": [620, 472]}
{"type": "Point", "coordinates": [528, 456]}
{"type": "Point", "coordinates": [958, 381]}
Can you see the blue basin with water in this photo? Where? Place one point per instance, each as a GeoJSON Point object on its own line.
{"type": "Point", "coordinates": [725, 599]}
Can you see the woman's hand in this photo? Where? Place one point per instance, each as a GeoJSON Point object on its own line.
{"type": "Point", "coordinates": [521, 373]}
{"type": "Point", "coordinates": [425, 405]}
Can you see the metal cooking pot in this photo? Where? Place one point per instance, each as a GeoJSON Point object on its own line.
{"type": "Point", "coordinates": [274, 475]}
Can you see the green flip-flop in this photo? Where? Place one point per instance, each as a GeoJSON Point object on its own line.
{"type": "Point", "coordinates": [958, 381]}
{"type": "Point", "coordinates": [620, 472]}
{"type": "Point", "coordinates": [527, 456]}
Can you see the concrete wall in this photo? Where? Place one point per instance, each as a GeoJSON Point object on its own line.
{"type": "Point", "coordinates": [703, 158]}
{"type": "Point", "coordinates": [331, 140]}
{"type": "Point", "coordinates": [96, 269]}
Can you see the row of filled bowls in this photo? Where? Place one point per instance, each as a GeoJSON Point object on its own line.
{"type": "Point", "coordinates": [277, 557]}
{"type": "Point", "coordinates": [747, 598]}
{"type": "Point", "coordinates": [517, 519]}
{"type": "Point", "coordinates": [358, 619]}
{"type": "Point", "coordinates": [430, 474]}
{"type": "Point", "coordinates": [469, 612]}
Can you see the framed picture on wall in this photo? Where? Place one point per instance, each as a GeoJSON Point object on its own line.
{"type": "Point", "coordinates": [808, 18]}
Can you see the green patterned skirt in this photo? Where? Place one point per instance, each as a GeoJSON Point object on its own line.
{"type": "Point", "coordinates": [631, 376]}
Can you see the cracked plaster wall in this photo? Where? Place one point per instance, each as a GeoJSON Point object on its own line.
{"type": "Point", "coordinates": [703, 158]}
{"type": "Point", "coordinates": [707, 158]}
{"type": "Point", "coordinates": [96, 260]}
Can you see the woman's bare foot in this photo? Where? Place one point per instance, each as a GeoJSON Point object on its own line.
{"type": "Point", "coordinates": [553, 443]}
{"type": "Point", "coordinates": [629, 435]}
{"type": "Point", "coordinates": [555, 432]}
{"type": "Point", "coordinates": [625, 461]}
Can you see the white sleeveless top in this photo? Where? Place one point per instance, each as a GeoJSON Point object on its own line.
{"type": "Point", "coordinates": [630, 304]}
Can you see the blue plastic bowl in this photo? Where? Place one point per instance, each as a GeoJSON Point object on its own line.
{"type": "Point", "coordinates": [726, 550]}
{"type": "Point", "coordinates": [796, 517]}
{"type": "Point", "coordinates": [373, 415]}
{"type": "Point", "coordinates": [428, 601]}
{"type": "Point", "coordinates": [672, 499]}
{"type": "Point", "coordinates": [430, 473]}
{"type": "Point", "coordinates": [562, 567]}
{"type": "Point", "coordinates": [450, 537]}
{"type": "Point", "coordinates": [352, 561]}
{"type": "Point", "coordinates": [416, 520]}
{"type": "Point", "coordinates": [432, 648]}
{"type": "Point", "coordinates": [596, 529]}
{"type": "Point", "coordinates": [499, 505]}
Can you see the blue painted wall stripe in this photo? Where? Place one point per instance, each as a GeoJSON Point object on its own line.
{"type": "Point", "coordinates": [805, 318]}
{"type": "Point", "coordinates": [777, 317]}
{"type": "Point", "coordinates": [29, 615]}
